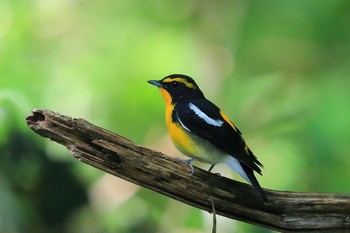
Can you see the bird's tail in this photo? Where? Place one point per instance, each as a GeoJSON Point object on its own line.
{"type": "Point", "coordinates": [247, 173]}
{"type": "Point", "coordinates": [254, 181]}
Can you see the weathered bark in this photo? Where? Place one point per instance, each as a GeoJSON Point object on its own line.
{"type": "Point", "coordinates": [100, 148]}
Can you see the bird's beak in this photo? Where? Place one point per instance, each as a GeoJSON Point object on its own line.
{"type": "Point", "coordinates": [156, 83]}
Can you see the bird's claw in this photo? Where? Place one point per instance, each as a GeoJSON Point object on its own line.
{"type": "Point", "coordinates": [211, 168]}
{"type": "Point", "coordinates": [188, 161]}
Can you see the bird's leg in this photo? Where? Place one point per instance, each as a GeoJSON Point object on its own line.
{"type": "Point", "coordinates": [188, 161]}
{"type": "Point", "coordinates": [211, 167]}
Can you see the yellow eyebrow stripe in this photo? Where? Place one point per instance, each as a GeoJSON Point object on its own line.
{"type": "Point", "coordinates": [180, 80]}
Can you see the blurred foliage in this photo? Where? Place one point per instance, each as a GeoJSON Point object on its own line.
{"type": "Point", "coordinates": [279, 69]}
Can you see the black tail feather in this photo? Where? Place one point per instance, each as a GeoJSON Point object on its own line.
{"type": "Point", "coordinates": [254, 181]}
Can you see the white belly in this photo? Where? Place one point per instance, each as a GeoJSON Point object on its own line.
{"type": "Point", "coordinates": [207, 153]}
{"type": "Point", "coordinates": [203, 151]}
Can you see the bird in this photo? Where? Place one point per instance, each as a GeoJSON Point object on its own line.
{"type": "Point", "coordinates": [202, 131]}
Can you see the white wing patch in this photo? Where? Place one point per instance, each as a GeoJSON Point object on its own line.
{"type": "Point", "coordinates": [205, 117]}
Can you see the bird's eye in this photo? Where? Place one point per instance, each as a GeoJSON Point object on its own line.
{"type": "Point", "coordinates": [174, 84]}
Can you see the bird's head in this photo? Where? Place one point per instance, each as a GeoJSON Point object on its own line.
{"type": "Point", "coordinates": [177, 87]}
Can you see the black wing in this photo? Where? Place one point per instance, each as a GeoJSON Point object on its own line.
{"type": "Point", "coordinates": [225, 137]}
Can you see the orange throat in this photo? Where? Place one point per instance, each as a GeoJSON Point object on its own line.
{"type": "Point", "coordinates": [166, 96]}
{"type": "Point", "coordinates": [168, 106]}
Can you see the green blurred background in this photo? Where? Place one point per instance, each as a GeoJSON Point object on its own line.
{"type": "Point", "coordinates": [279, 69]}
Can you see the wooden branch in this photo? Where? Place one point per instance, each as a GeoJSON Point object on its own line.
{"type": "Point", "coordinates": [100, 148]}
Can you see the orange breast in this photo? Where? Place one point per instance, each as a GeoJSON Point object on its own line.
{"type": "Point", "coordinates": [188, 144]}
{"type": "Point", "coordinates": [179, 136]}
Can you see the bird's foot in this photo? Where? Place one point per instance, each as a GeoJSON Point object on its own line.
{"type": "Point", "coordinates": [188, 161]}
{"type": "Point", "coordinates": [211, 168]}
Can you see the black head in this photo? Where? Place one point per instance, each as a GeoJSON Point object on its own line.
{"type": "Point", "coordinates": [178, 86]}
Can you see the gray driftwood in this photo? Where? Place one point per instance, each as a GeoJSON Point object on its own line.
{"type": "Point", "coordinates": [100, 148]}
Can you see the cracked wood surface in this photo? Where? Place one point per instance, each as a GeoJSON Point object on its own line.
{"type": "Point", "coordinates": [112, 153]}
